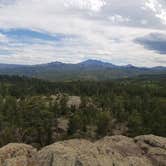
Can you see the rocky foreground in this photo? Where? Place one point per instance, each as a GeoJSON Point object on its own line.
{"type": "Point", "coordinates": [148, 150]}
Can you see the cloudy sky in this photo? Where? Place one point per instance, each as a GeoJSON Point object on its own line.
{"type": "Point", "coordinates": [116, 31]}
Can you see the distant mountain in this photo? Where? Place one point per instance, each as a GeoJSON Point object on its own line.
{"type": "Point", "coordinates": [95, 63]}
{"type": "Point", "coordinates": [87, 70]}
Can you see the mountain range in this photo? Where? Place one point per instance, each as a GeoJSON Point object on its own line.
{"type": "Point", "coordinates": [87, 70]}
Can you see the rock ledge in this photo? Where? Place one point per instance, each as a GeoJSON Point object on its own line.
{"type": "Point", "coordinates": [146, 150]}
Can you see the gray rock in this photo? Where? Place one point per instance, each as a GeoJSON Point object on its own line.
{"type": "Point", "coordinates": [148, 150]}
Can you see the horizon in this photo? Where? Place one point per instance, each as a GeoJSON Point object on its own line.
{"type": "Point", "coordinates": [72, 31]}
{"type": "Point", "coordinates": [92, 60]}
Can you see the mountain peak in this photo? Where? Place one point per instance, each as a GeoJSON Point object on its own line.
{"type": "Point", "coordinates": [55, 63]}
{"type": "Point", "coordinates": [129, 66]}
{"type": "Point", "coordinates": [92, 62]}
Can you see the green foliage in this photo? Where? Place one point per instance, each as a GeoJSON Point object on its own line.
{"type": "Point", "coordinates": [76, 124]}
{"type": "Point", "coordinates": [29, 114]}
{"type": "Point", "coordinates": [104, 123]}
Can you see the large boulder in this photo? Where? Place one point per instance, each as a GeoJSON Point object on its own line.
{"type": "Point", "coordinates": [76, 152]}
{"type": "Point", "coordinates": [18, 155]}
{"type": "Point", "coordinates": [74, 101]}
{"type": "Point", "coordinates": [122, 151]}
{"type": "Point", "coordinates": [109, 151]}
{"type": "Point", "coordinates": [154, 147]}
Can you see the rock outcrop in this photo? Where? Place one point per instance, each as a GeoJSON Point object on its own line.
{"type": "Point", "coordinates": [148, 150]}
{"type": "Point", "coordinates": [74, 101]}
{"type": "Point", "coordinates": [18, 155]}
{"type": "Point", "coordinates": [154, 147]}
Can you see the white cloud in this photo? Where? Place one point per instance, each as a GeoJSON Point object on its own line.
{"type": "Point", "coordinates": [94, 5]}
{"type": "Point", "coordinates": [153, 5]}
{"type": "Point", "coordinates": [144, 22]}
{"type": "Point", "coordinates": [93, 35]}
{"type": "Point", "coordinates": [158, 9]}
{"type": "Point", "coordinates": [118, 19]}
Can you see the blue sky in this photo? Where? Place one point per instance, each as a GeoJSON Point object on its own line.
{"type": "Point", "coordinates": [116, 31]}
{"type": "Point", "coordinates": [24, 34]}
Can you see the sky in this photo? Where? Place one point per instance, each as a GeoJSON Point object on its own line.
{"type": "Point", "coordinates": [71, 31]}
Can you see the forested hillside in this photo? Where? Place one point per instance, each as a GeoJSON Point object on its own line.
{"type": "Point", "coordinates": [38, 112]}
